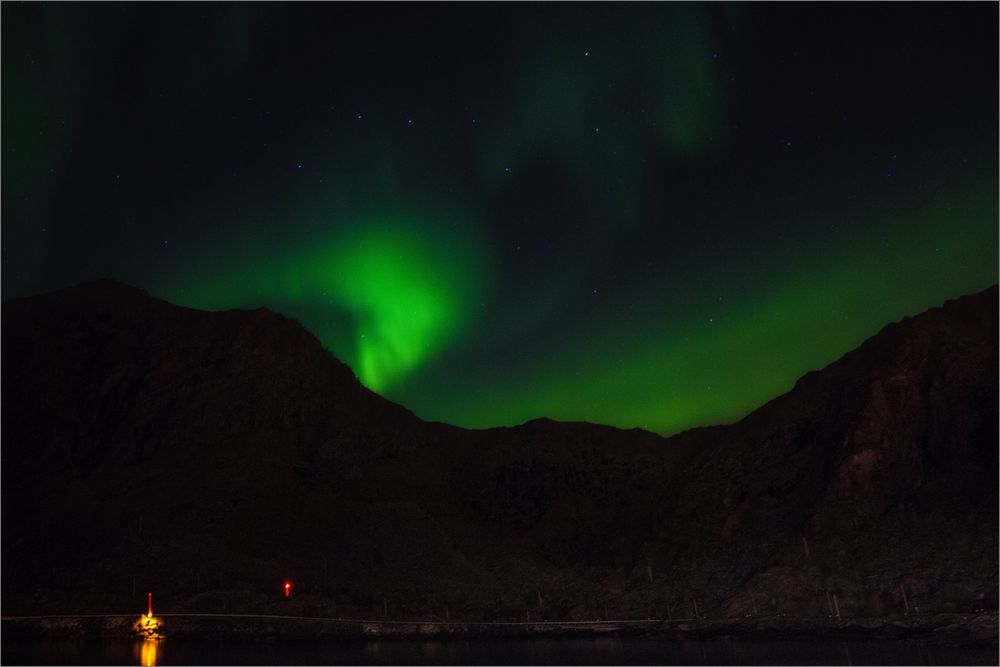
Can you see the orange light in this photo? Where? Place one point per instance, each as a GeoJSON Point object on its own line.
{"type": "Point", "coordinates": [148, 653]}
{"type": "Point", "coordinates": [148, 627]}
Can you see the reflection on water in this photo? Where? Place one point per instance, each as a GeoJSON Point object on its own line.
{"type": "Point", "coordinates": [591, 651]}
{"type": "Point", "coordinates": [147, 652]}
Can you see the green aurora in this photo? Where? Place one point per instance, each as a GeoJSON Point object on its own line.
{"type": "Point", "coordinates": [393, 295]}
{"type": "Point", "coordinates": [386, 295]}
{"type": "Point", "coordinates": [649, 215]}
{"type": "Point", "coordinates": [726, 358]}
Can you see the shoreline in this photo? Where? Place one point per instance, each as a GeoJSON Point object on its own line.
{"type": "Point", "coordinates": [979, 628]}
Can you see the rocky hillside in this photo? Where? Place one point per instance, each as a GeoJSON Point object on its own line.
{"type": "Point", "coordinates": [208, 456]}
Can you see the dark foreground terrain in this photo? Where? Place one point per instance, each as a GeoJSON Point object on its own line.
{"type": "Point", "coordinates": [541, 651]}
{"type": "Point", "coordinates": [951, 629]}
{"type": "Point", "coordinates": [207, 457]}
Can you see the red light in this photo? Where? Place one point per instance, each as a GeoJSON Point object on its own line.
{"type": "Point", "coordinates": [288, 589]}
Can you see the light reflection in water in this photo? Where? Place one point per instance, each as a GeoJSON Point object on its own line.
{"type": "Point", "coordinates": [147, 653]}
{"type": "Point", "coordinates": [549, 651]}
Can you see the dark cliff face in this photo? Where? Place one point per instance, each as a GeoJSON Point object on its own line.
{"type": "Point", "coordinates": [208, 456]}
{"type": "Point", "coordinates": [880, 468]}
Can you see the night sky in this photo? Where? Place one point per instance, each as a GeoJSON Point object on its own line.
{"type": "Point", "coordinates": [652, 215]}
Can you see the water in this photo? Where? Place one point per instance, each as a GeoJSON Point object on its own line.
{"type": "Point", "coordinates": [597, 651]}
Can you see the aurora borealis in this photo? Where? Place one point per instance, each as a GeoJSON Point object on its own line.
{"type": "Point", "coordinates": [644, 215]}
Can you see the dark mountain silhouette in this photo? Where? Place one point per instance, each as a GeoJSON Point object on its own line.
{"type": "Point", "coordinates": [208, 456]}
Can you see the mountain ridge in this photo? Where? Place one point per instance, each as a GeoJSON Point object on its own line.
{"type": "Point", "coordinates": [267, 458]}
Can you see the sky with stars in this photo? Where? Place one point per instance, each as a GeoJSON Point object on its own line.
{"type": "Point", "coordinates": [645, 215]}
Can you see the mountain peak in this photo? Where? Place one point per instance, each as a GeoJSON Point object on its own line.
{"type": "Point", "coordinates": [146, 438]}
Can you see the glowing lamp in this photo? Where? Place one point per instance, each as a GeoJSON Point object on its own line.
{"type": "Point", "coordinates": [148, 628]}
{"type": "Point", "coordinates": [288, 589]}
